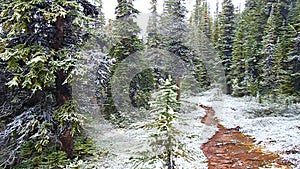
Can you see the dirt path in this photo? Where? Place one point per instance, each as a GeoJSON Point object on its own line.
{"type": "Point", "coordinates": [229, 148]}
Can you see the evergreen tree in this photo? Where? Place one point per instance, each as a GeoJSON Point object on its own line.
{"type": "Point", "coordinates": [166, 145]}
{"type": "Point", "coordinates": [255, 18]}
{"type": "Point", "coordinates": [39, 43]}
{"type": "Point", "coordinates": [200, 51]}
{"type": "Point", "coordinates": [284, 85]}
{"type": "Point", "coordinates": [293, 62]}
{"type": "Point", "coordinates": [125, 31]}
{"type": "Point", "coordinates": [198, 40]}
{"type": "Point", "coordinates": [197, 12]}
{"type": "Point", "coordinates": [173, 28]}
{"type": "Point", "coordinates": [207, 21]}
{"type": "Point", "coordinates": [226, 39]}
{"type": "Point", "coordinates": [152, 29]}
{"type": "Point", "coordinates": [238, 68]}
{"type": "Point", "coordinates": [153, 42]}
{"type": "Point", "coordinates": [125, 42]}
{"type": "Point", "coordinates": [295, 49]}
{"type": "Point", "coordinates": [202, 18]}
{"type": "Point", "coordinates": [269, 69]}
{"type": "Point", "coordinates": [262, 57]}
{"type": "Point", "coordinates": [216, 27]}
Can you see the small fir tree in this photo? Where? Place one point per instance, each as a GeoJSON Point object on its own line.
{"type": "Point", "coordinates": [166, 145]}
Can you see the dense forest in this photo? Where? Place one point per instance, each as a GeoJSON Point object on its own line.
{"type": "Point", "coordinates": [47, 45]}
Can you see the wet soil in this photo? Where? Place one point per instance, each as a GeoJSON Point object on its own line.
{"type": "Point", "coordinates": [230, 148]}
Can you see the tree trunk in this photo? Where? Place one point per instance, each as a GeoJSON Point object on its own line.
{"type": "Point", "coordinates": [63, 95]}
{"type": "Point", "coordinates": [170, 162]}
{"type": "Point", "coordinates": [178, 91]}
{"type": "Point", "coordinates": [228, 89]}
{"type": "Point", "coordinates": [63, 92]}
{"type": "Point", "coordinates": [228, 83]}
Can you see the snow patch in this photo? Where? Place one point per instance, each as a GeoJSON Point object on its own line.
{"type": "Point", "coordinates": [279, 134]}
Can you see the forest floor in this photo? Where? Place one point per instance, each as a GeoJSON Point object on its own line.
{"type": "Point", "coordinates": [230, 148]}
{"type": "Point", "coordinates": [225, 132]}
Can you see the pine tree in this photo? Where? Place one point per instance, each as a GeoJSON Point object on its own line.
{"type": "Point", "coordinates": [200, 51]}
{"type": "Point", "coordinates": [207, 21]}
{"type": "Point", "coordinates": [202, 18]}
{"type": "Point", "coordinates": [173, 28]}
{"type": "Point", "coordinates": [153, 42]}
{"type": "Point", "coordinates": [125, 42]}
{"type": "Point", "coordinates": [198, 40]}
{"type": "Point", "coordinates": [197, 12]}
{"type": "Point", "coordinates": [166, 145]}
{"type": "Point", "coordinates": [285, 86]}
{"type": "Point", "coordinates": [239, 88]}
{"type": "Point", "coordinates": [294, 53]}
{"type": "Point", "coordinates": [293, 61]}
{"type": "Point", "coordinates": [152, 29]}
{"type": "Point", "coordinates": [125, 31]}
{"type": "Point", "coordinates": [39, 43]}
{"type": "Point", "coordinates": [255, 19]}
{"type": "Point", "coordinates": [274, 49]}
{"type": "Point", "coordinates": [216, 27]}
{"type": "Point", "coordinates": [226, 39]}
{"type": "Point", "coordinates": [269, 69]}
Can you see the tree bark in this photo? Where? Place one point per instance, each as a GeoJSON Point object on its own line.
{"type": "Point", "coordinates": [63, 92]}
{"type": "Point", "coordinates": [178, 91]}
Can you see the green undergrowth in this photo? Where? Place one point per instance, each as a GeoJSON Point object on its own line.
{"type": "Point", "coordinates": [53, 158]}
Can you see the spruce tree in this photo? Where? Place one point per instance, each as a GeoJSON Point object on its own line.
{"type": "Point", "coordinates": [269, 68]}
{"type": "Point", "coordinates": [255, 19]}
{"type": "Point", "coordinates": [202, 18]}
{"type": "Point", "coordinates": [125, 31]}
{"type": "Point", "coordinates": [173, 28]}
{"type": "Point", "coordinates": [39, 45]}
{"type": "Point", "coordinates": [152, 29]}
{"type": "Point", "coordinates": [293, 61]}
{"type": "Point", "coordinates": [238, 68]}
{"type": "Point", "coordinates": [199, 40]}
{"type": "Point", "coordinates": [165, 145]}
{"type": "Point", "coordinates": [153, 42]}
{"type": "Point", "coordinates": [125, 42]}
{"type": "Point", "coordinates": [226, 39]}
{"type": "Point", "coordinates": [216, 27]}
{"type": "Point", "coordinates": [207, 20]}
{"type": "Point", "coordinates": [274, 52]}
{"type": "Point", "coordinates": [197, 12]}
{"type": "Point", "coordinates": [284, 84]}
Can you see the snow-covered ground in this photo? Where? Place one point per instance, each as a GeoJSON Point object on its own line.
{"type": "Point", "coordinates": [276, 128]}
{"type": "Point", "coordinates": [278, 133]}
{"type": "Point", "coordinates": [123, 144]}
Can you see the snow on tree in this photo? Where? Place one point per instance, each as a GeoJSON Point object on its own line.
{"type": "Point", "coordinates": [165, 136]}
{"type": "Point", "coordinates": [238, 67]}
{"type": "Point", "coordinates": [39, 45]}
{"type": "Point", "coordinates": [226, 39]}
{"type": "Point", "coordinates": [173, 28]}
{"type": "Point", "coordinates": [152, 29]}
{"type": "Point", "coordinates": [254, 19]}
{"type": "Point", "coordinates": [294, 47]}
{"type": "Point", "coordinates": [216, 27]}
{"type": "Point", "coordinates": [125, 42]}
{"type": "Point", "coordinates": [269, 74]}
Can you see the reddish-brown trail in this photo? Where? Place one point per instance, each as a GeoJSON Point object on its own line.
{"type": "Point", "coordinates": [231, 149]}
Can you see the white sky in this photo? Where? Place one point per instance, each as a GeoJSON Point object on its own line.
{"type": "Point", "coordinates": [144, 5]}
